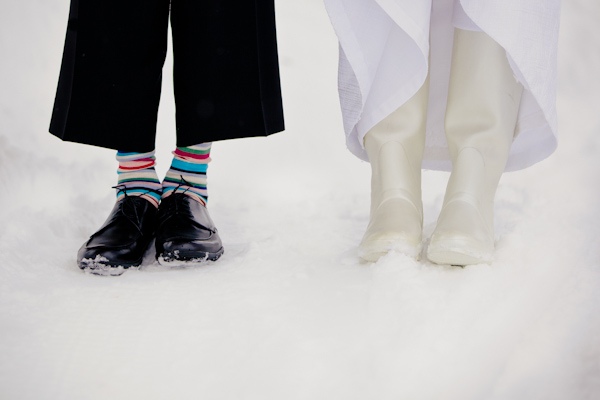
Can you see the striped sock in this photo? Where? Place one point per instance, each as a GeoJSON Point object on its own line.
{"type": "Point", "coordinates": [188, 172]}
{"type": "Point", "coordinates": [137, 176]}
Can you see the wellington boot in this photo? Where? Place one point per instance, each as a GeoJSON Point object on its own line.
{"type": "Point", "coordinates": [395, 149]}
{"type": "Point", "coordinates": [483, 105]}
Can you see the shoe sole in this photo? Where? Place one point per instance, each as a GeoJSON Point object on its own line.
{"type": "Point", "coordinates": [100, 266]}
{"type": "Point", "coordinates": [178, 258]}
{"type": "Point", "coordinates": [105, 269]}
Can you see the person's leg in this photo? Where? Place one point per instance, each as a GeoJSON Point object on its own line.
{"type": "Point", "coordinates": [483, 104]}
{"type": "Point", "coordinates": [188, 172]}
{"type": "Point", "coordinates": [108, 95]}
{"type": "Point", "coordinates": [225, 72]}
{"type": "Point", "coordinates": [137, 176]}
{"type": "Point", "coordinates": [110, 80]}
{"type": "Point", "coordinates": [226, 79]}
{"type": "Point", "coordinates": [395, 148]}
{"type": "Point", "coordinates": [186, 234]}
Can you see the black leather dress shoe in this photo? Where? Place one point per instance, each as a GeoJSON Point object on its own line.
{"type": "Point", "coordinates": [185, 233]}
{"type": "Point", "coordinates": [121, 242]}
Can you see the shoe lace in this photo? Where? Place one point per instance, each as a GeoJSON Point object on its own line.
{"type": "Point", "coordinates": [128, 207]}
{"type": "Point", "coordinates": [183, 182]}
{"type": "Point", "coordinates": [173, 207]}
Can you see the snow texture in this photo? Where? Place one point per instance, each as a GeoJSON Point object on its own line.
{"type": "Point", "coordinates": [289, 312]}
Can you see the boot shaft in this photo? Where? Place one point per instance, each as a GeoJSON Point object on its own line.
{"type": "Point", "coordinates": [395, 148]}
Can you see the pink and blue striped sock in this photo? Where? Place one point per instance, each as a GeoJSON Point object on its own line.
{"type": "Point", "coordinates": [188, 172]}
{"type": "Point", "coordinates": [137, 176]}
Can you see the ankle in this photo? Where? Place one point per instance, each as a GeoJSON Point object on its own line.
{"type": "Point", "coordinates": [187, 174]}
{"type": "Point", "coordinates": [137, 176]}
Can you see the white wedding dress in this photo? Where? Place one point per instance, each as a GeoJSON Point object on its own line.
{"type": "Point", "coordinates": [387, 48]}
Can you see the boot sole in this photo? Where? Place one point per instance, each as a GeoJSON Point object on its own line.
{"type": "Point", "coordinates": [458, 252]}
{"type": "Point", "coordinates": [375, 250]}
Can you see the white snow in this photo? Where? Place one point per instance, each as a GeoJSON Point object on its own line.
{"type": "Point", "coordinates": [289, 312]}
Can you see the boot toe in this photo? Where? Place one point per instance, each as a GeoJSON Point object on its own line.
{"type": "Point", "coordinates": [395, 226]}
{"type": "Point", "coordinates": [378, 244]}
{"type": "Point", "coordinates": [461, 236]}
{"type": "Point", "coordinates": [459, 249]}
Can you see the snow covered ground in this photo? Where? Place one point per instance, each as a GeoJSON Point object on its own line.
{"type": "Point", "coordinates": [289, 312]}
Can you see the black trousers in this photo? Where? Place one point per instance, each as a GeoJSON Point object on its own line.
{"type": "Point", "coordinates": [226, 72]}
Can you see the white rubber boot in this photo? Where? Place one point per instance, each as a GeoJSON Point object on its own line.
{"type": "Point", "coordinates": [483, 105]}
{"type": "Point", "coordinates": [395, 149]}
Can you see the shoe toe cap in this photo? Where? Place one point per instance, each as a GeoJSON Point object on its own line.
{"type": "Point", "coordinates": [125, 256]}
{"type": "Point", "coordinates": [211, 245]}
